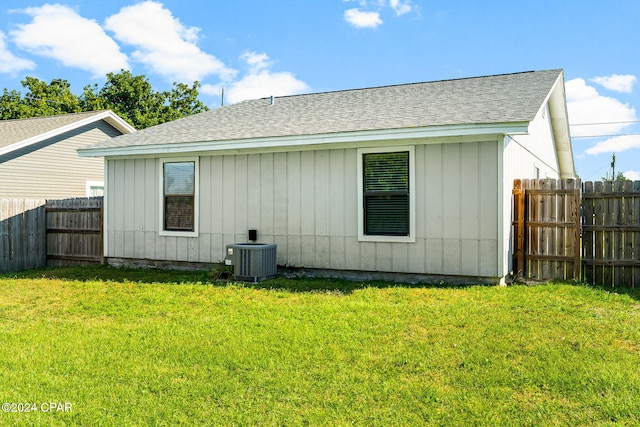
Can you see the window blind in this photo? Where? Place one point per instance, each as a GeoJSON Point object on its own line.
{"type": "Point", "coordinates": [179, 196]}
{"type": "Point", "coordinates": [386, 193]}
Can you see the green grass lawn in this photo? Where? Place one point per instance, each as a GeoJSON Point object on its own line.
{"type": "Point", "coordinates": [127, 348]}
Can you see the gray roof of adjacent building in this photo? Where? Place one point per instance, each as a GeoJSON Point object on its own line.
{"type": "Point", "coordinates": [496, 99]}
{"type": "Point", "coordinates": [20, 130]}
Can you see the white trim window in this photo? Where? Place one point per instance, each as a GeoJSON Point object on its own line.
{"type": "Point", "coordinates": [179, 197]}
{"type": "Point", "coordinates": [386, 196]}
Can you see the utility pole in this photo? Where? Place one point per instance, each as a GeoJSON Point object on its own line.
{"type": "Point", "coordinates": [613, 167]}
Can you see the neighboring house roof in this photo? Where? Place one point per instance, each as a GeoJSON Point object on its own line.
{"type": "Point", "coordinates": [481, 105]}
{"type": "Point", "coordinates": [20, 133]}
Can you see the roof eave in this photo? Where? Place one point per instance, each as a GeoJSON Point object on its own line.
{"type": "Point", "coordinates": [560, 124]}
{"type": "Point", "coordinates": [116, 121]}
{"type": "Point", "coordinates": [298, 141]}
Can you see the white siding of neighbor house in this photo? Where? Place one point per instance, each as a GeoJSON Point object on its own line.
{"type": "Point", "coordinates": [524, 155]}
{"type": "Point", "coordinates": [54, 170]}
{"type": "Point", "coordinates": [306, 203]}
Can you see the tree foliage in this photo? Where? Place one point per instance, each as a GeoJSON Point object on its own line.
{"type": "Point", "coordinates": [619, 177]}
{"type": "Point", "coordinates": [131, 97]}
{"type": "Point", "coordinates": [41, 99]}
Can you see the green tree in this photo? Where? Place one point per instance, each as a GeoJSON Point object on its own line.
{"type": "Point", "coordinates": [183, 101]}
{"type": "Point", "coordinates": [134, 99]}
{"type": "Point", "coordinates": [131, 97]}
{"type": "Point", "coordinates": [50, 99]}
{"type": "Point", "coordinates": [12, 106]}
{"type": "Point", "coordinates": [41, 99]}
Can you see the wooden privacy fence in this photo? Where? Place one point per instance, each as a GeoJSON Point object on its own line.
{"type": "Point", "coordinates": [74, 232]}
{"type": "Point", "coordinates": [611, 233]}
{"type": "Point", "coordinates": [546, 242]}
{"type": "Point", "coordinates": [54, 233]}
{"type": "Point", "coordinates": [552, 218]}
{"type": "Point", "coordinates": [22, 234]}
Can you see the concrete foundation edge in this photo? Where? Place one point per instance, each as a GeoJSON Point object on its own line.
{"type": "Point", "coordinates": [301, 272]}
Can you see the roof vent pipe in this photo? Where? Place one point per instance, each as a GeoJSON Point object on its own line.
{"type": "Point", "coordinates": [272, 100]}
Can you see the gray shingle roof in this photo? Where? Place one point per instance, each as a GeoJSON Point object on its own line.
{"type": "Point", "coordinates": [12, 131]}
{"type": "Point", "coordinates": [507, 98]}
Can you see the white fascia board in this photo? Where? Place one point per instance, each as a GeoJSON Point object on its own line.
{"type": "Point", "coordinates": [307, 140]}
{"type": "Point", "coordinates": [556, 100]}
{"type": "Point", "coordinates": [117, 122]}
{"type": "Point", "coordinates": [108, 116]}
{"type": "Point", "coordinates": [561, 129]}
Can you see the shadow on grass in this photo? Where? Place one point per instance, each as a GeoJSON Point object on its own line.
{"type": "Point", "coordinates": [297, 284]}
{"type": "Point", "coordinates": [620, 290]}
{"type": "Point", "coordinates": [204, 277]}
{"type": "Point", "coordinates": [631, 292]}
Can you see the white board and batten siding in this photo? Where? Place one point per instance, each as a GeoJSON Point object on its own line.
{"type": "Point", "coordinates": [306, 203]}
{"type": "Point", "coordinates": [55, 171]}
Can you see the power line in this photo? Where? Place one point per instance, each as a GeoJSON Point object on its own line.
{"type": "Point", "coordinates": [606, 136]}
{"type": "Point", "coordinates": [32, 98]}
{"type": "Point", "coordinates": [605, 123]}
{"type": "Point", "coordinates": [595, 172]}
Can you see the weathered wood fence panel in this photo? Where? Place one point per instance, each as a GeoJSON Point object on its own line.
{"type": "Point", "coordinates": [22, 234]}
{"type": "Point", "coordinates": [546, 229]}
{"type": "Point", "coordinates": [55, 233]}
{"type": "Point", "coordinates": [611, 233]}
{"type": "Point", "coordinates": [74, 232]}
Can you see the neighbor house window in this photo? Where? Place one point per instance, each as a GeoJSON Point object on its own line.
{"type": "Point", "coordinates": [179, 196]}
{"type": "Point", "coordinates": [386, 202]}
{"type": "Point", "coordinates": [95, 188]}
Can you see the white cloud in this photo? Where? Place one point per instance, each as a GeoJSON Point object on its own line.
{"type": "Point", "coordinates": [259, 82]}
{"type": "Point", "coordinates": [586, 106]}
{"type": "Point", "coordinates": [164, 44]}
{"type": "Point", "coordinates": [632, 175]}
{"type": "Point", "coordinates": [617, 82]}
{"type": "Point", "coordinates": [401, 7]}
{"type": "Point", "coordinates": [9, 63]}
{"type": "Point", "coordinates": [256, 61]}
{"type": "Point", "coordinates": [58, 32]}
{"type": "Point", "coordinates": [365, 3]}
{"type": "Point", "coordinates": [361, 19]}
{"type": "Point", "coordinates": [616, 144]}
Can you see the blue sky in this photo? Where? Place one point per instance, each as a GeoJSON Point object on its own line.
{"type": "Point", "coordinates": [257, 48]}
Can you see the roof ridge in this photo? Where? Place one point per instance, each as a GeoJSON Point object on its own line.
{"type": "Point", "coordinates": [405, 84]}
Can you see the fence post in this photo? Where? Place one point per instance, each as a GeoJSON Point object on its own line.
{"type": "Point", "coordinates": [636, 238]}
{"type": "Point", "coordinates": [518, 221]}
{"type": "Point", "coordinates": [574, 217]}
{"type": "Point", "coordinates": [547, 215]}
{"type": "Point", "coordinates": [598, 208]}
{"type": "Point", "coordinates": [627, 220]}
{"type": "Point", "coordinates": [587, 232]}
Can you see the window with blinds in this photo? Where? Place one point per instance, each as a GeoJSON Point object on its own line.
{"type": "Point", "coordinates": [179, 196]}
{"type": "Point", "coordinates": [386, 193]}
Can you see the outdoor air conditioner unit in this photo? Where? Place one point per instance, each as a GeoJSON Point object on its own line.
{"type": "Point", "coordinates": [252, 262]}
